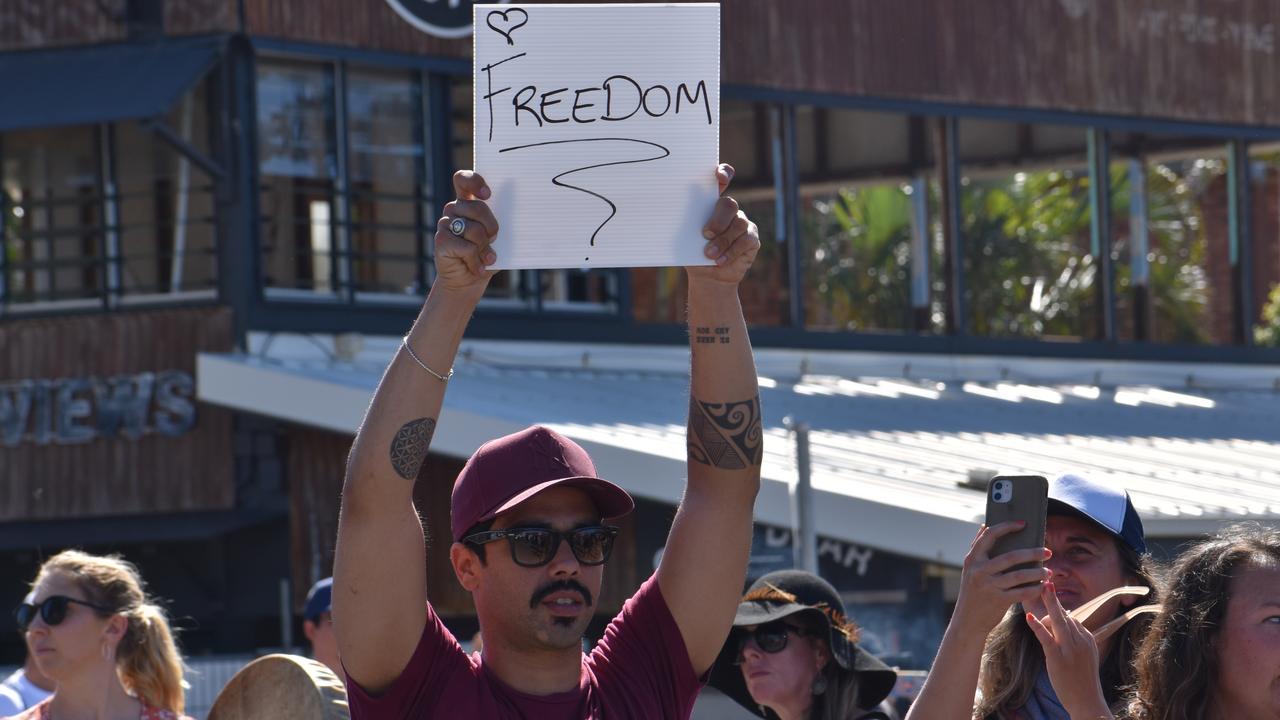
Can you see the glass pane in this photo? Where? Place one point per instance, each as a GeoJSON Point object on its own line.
{"type": "Point", "coordinates": [167, 205]}
{"type": "Point", "coordinates": [1265, 185]}
{"type": "Point", "coordinates": [1025, 216]}
{"type": "Point", "coordinates": [564, 289]}
{"type": "Point", "coordinates": [386, 158]}
{"type": "Point", "coordinates": [864, 216]}
{"type": "Point", "coordinates": [54, 244]}
{"type": "Point", "coordinates": [857, 252]}
{"type": "Point", "coordinates": [505, 287]}
{"type": "Point", "coordinates": [1174, 279]}
{"type": "Point", "coordinates": [298, 165]}
{"type": "Point", "coordinates": [747, 143]}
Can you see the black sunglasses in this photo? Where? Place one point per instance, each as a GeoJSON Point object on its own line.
{"type": "Point", "coordinates": [535, 547]}
{"type": "Point", "coordinates": [53, 610]}
{"type": "Point", "coordinates": [769, 637]}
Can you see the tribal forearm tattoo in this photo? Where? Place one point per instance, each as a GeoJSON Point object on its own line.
{"type": "Point", "coordinates": [409, 446]}
{"type": "Point", "coordinates": [726, 435]}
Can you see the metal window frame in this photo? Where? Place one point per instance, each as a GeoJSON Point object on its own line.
{"type": "Point", "coordinates": [4, 236]}
{"type": "Point", "coordinates": [105, 136]}
{"type": "Point", "coordinates": [570, 325]}
{"type": "Point", "coordinates": [1099, 142]}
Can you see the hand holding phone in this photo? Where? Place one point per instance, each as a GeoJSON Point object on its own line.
{"type": "Point", "coordinates": [1012, 498]}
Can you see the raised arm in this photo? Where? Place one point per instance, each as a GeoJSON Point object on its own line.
{"type": "Point", "coordinates": [705, 562]}
{"type": "Point", "coordinates": [380, 569]}
{"type": "Point", "coordinates": [988, 588]}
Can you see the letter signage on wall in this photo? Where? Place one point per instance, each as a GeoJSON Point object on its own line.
{"type": "Point", "coordinates": [66, 411]}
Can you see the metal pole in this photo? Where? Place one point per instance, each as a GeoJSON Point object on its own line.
{"type": "Point", "coordinates": [920, 254]}
{"type": "Point", "coordinates": [804, 545]}
{"type": "Point", "coordinates": [948, 154]}
{"type": "Point", "coordinates": [182, 213]}
{"type": "Point", "coordinates": [795, 243]}
{"type": "Point", "coordinates": [1139, 244]}
{"type": "Point", "coordinates": [1241, 242]}
{"type": "Point", "coordinates": [1100, 233]}
{"type": "Point", "coordinates": [111, 252]}
{"type": "Point", "coordinates": [286, 615]}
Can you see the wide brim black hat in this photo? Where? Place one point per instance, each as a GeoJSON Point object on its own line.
{"type": "Point", "coordinates": [819, 602]}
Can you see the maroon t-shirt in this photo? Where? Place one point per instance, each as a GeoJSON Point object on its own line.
{"type": "Point", "coordinates": [639, 669]}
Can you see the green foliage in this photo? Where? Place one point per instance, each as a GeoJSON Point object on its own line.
{"type": "Point", "coordinates": [857, 254]}
{"type": "Point", "coordinates": [1267, 332]}
{"type": "Point", "coordinates": [1029, 267]}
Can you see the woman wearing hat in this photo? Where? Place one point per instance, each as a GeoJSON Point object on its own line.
{"type": "Point", "coordinates": [1012, 650]}
{"type": "Point", "coordinates": [793, 654]}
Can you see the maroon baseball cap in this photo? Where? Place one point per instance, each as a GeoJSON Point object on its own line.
{"type": "Point", "coordinates": [505, 472]}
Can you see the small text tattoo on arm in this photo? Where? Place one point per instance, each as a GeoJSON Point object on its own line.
{"type": "Point", "coordinates": [409, 446]}
{"type": "Point", "coordinates": [711, 335]}
{"type": "Point", "coordinates": [726, 435]}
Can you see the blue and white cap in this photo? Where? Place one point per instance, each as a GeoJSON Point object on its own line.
{"type": "Point", "coordinates": [319, 600]}
{"type": "Point", "coordinates": [1106, 505]}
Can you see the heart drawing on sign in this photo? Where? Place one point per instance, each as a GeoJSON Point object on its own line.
{"type": "Point", "coordinates": [506, 22]}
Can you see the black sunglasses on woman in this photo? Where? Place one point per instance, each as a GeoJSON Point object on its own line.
{"type": "Point", "coordinates": [53, 610]}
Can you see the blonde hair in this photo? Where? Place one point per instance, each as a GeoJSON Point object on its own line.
{"type": "Point", "coordinates": [147, 657]}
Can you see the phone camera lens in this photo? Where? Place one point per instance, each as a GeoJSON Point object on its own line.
{"type": "Point", "coordinates": [998, 497]}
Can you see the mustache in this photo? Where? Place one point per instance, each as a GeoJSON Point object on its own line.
{"type": "Point", "coordinates": [557, 586]}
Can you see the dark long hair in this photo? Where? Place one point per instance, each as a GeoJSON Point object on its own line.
{"type": "Point", "coordinates": [1179, 661]}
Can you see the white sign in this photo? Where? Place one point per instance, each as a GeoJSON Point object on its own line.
{"type": "Point", "coordinates": [597, 129]}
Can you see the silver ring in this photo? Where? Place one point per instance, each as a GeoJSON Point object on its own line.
{"type": "Point", "coordinates": [458, 226]}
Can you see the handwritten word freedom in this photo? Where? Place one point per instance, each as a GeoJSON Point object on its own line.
{"type": "Point", "coordinates": [623, 98]}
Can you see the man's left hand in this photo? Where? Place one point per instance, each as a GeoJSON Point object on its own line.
{"type": "Point", "coordinates": [732, 241]}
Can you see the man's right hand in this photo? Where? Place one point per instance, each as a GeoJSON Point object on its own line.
{"type": "Point", "coordinates": [462, 262]}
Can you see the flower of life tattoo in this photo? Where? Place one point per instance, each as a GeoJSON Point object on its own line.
{"type": "Point", "coordinates": [409, 446]}
{"type": "Point", "coordinates": [726, 435]}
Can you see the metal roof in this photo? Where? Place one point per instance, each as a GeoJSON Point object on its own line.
{"type": "Point", "coordinates": [890, 455]}
{"type": "Point", "coordinates": [102, 83]}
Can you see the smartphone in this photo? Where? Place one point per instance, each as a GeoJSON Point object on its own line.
{"type": "Point", "coordinates": [1018, 497]}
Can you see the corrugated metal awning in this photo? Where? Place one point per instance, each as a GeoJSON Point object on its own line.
{"type": "Point", "coordinates": [890, 456]}
{"type": "Point", "coordinates": [100, 83]}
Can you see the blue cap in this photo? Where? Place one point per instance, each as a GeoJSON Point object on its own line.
{"type": "Point", "coordinates": [1106, 505]}
{"type": "Point", "coordinates": [319, 600]}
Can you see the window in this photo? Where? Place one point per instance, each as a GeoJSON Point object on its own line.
{"type": "Point", "coordinates": [1025, 219]}
{"type": "Point", "coordinates": [55, 247]}
{"type": "Point", "coordinates": [1264, 181]}
{"type": "Point", "coordinates": [389, 201]}
{"type": "Point", "coordinates": [302, 239]}
{"type": "Point", "coordinates": [864, 219]}
{"type": "Point", "coordinates": [750, 142]}
{"type": "Point", "coordinates": [1175, 282]}
{"type": "Point", "coordinates": [585, 290]}
{"type": "Point", "coordinates": [167, 207]}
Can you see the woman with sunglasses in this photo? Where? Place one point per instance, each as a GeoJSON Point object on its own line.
{"type": "Point", "coordinates": [793, 654]}
{"type": "Point", "coordinates": [1213, 652]}
{"type": "Point", "coordinates": [109, 650]}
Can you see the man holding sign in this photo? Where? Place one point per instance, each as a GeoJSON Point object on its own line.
{"type": "Point", "coordinates": [520, 496]}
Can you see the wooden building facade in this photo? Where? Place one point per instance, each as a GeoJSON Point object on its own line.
{"type": "Point", "coordinates": [262, 195]}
